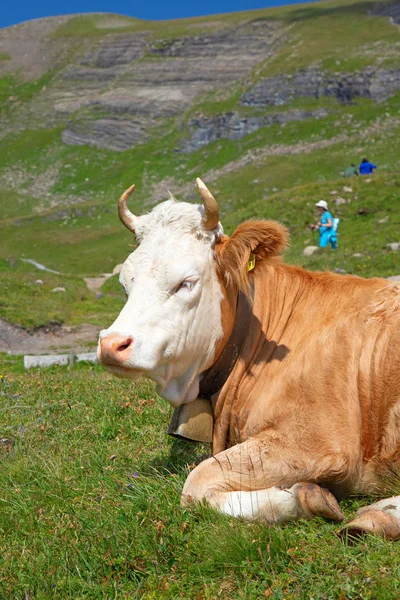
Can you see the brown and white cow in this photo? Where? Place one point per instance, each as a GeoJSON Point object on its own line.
{"type": "Point", "coordinates": [310, 400]}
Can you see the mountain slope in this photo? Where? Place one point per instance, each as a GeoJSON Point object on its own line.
{"type": "Point", "coordinates": [267, 106]}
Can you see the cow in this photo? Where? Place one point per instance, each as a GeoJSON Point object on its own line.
{"type": "Point", "coordinates": [302, 368]}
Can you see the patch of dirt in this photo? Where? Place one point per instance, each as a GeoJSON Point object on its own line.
{"type": "Point", "coordinates": [47, 340]}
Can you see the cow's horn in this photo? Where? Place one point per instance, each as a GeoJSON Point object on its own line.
{"type": "Point", "coordinates": [127, 218]}
{"type": "Point", "coordinates": [211, 208]}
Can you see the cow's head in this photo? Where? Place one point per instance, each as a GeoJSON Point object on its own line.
{"type": "Point", "coordinates": [177, 312]}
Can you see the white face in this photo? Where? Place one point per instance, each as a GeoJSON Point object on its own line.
{"type": "Point", "coordinates": [171, 321]}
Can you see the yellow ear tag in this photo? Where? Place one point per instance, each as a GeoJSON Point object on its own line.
{"type": "Point", "coordinates": [252, 262]}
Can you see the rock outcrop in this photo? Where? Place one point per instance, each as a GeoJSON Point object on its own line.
{"type": "Point", "coordinates": [391, 10]}
{"type": "Point", "coordinates": [376, 84]}
{"type": "Point", "coordinates": [233, 126]}
{"type": "Point", "coordinates": [128, 75]}
{"type": "Point", "coordinates": [112, 133]}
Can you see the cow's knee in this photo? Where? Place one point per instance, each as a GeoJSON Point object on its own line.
{"type": "Point", "coordinates": [201, 484]}
{"type": "Point", "coordinates": [271, 505]}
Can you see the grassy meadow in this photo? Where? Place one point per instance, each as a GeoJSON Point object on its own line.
{"type": "Point", "coordinates": [90, 489]}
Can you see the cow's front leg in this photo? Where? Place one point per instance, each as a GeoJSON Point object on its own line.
{"type": "Point", "coordinates": [238, 482]}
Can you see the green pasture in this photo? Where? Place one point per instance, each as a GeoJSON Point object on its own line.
{"type": "Point", "coordinates": [90, 487]}
{"type": "Point", "coordinates": [88, 246]}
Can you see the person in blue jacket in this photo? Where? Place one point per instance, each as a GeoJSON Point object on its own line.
{"type": "Point", "coordinates": [366, 167]}
{"type": "Point", "coordinates": [327, 235]}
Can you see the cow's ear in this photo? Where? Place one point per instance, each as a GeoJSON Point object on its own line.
{"type": "Point", "coordinates": [251, 244]}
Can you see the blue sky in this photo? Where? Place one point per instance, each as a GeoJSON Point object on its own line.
{"type": "Point", "coordinates": [22, 10]}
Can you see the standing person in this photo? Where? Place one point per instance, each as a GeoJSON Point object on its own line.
{"type": "Point", "coordinates": [366, 167]}
{"type": "Point", "coordinates": [325, 226]}
{"type": "Point", "coordinates": [350, 171]}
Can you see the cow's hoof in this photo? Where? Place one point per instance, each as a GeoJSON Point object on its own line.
{"type": "Point", "coordinates": [374, 521]}
{"type": "Point", "coordinates": [317, 501]}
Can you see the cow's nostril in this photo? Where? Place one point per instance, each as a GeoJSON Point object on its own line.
{"type": "Point", "coordinates": [124, 346]}
{"type": "Point", "coordinates": [115, 349]}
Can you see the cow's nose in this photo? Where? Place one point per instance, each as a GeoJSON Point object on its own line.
{"type": "Point", "coordinates": [115, 349]}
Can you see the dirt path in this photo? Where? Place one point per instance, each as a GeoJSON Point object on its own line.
{"type": "Point", "coordinates": [15, 340]}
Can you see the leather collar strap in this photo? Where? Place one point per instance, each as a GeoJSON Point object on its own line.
{"type": "Point", "coordinates": [216, 376]}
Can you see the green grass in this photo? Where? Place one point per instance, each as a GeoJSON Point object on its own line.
{"type": "Point", "coordinates": [29, 304]}
{"type": "Point", "coordinates": [90, 508]}
{"type": "Point", "coordinates": [330, 34]}
{"type": "Point", "coordinates": [14, 91]}
{"type": "Point", "coordinates": [87, 238]}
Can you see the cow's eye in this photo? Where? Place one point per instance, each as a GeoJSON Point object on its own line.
{"type": "Point", "coordinates": [187, 284]}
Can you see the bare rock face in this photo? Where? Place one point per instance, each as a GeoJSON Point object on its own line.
{"type": "Point", "coordinates": [113, 133]}
{"type": "Point", "coordinates": [252, 39]}
{"type": "Point", "coordinates": [117, 50]}
{"type": "Point", "coordinates": [312, 83]}
{"type": "Point", "coordinates": [391, 10]}
{"type": "Point", "coordinates": [233, 126]}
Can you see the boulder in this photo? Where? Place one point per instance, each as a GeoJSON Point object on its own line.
{"type": "Point", "coordinates": [46, 360]}
{"type": "Point", "coordinates": [86, 357]}
{"type": "Point", "coordinates": [310, 250]}
{"type": "Point", "coordinates": [59, 289]}
{"type": "Point", "coordinates": [347, 189]}
{"type": "Point", "coordinates": [394, 246]}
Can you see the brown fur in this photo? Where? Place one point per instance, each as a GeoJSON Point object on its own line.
{"type": "Point", "coordinates": [264, 239]}
{"type": "Point", "coordinates": [315, 393]}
